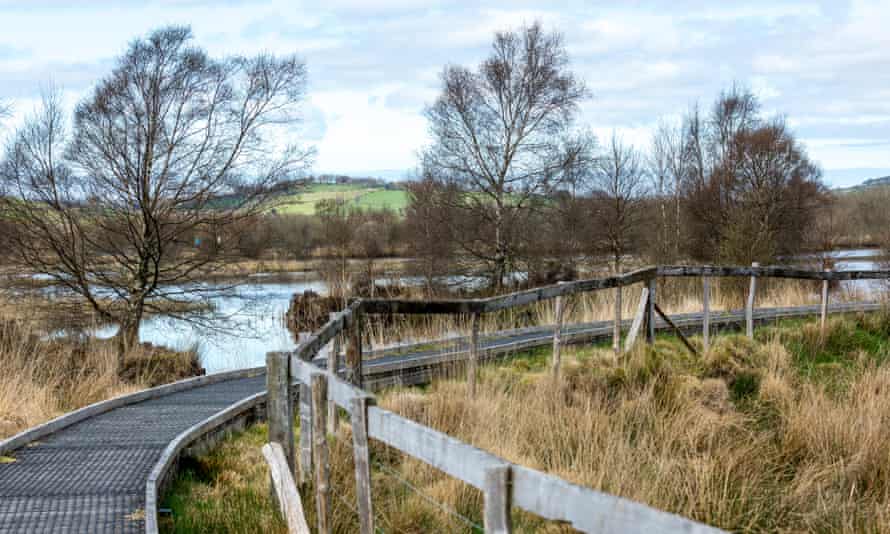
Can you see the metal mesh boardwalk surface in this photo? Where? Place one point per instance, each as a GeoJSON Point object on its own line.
{"type": "Point", "coordinates": [90, 477]}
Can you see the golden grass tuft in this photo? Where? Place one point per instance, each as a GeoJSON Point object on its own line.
{"type": "Point", "coordinates": [43, 379]}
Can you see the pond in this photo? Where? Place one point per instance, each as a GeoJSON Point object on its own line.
{"type": "Point", "coordinates": [246, 323]}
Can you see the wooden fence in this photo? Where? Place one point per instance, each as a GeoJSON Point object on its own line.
{"type": "Point", "coordinates": [504, 484]}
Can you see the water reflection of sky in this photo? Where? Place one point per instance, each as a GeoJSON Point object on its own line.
{"type": "Point", "coordinates": [247, 322]}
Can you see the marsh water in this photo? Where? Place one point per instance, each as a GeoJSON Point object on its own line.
{"type": "Point", "coordinates": [247, 320]}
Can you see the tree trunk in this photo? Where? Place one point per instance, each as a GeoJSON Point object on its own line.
{"type": "Point", "coordinates": [128, 333]}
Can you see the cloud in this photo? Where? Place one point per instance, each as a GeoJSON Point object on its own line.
{"type": "Point", "coordinates": [373, 66]}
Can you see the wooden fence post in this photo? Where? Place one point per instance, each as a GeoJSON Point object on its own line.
{"type": "Point", "coordinates": [557, 337]}
{"type": "Point", "coordinates": [285, 489]}
{"type": "Point", "coordinates": [616, 327]}
{"type": "Point", "coordinates": [650, 311]}
{"type": "Point", "coordinates": [320, 451]}
{"type": "Point", "coordinates": [473, 361]}
{"type": "Point", "coordinates": [706, 314]}
{"type": "Point", "coordinates": [749, 307]}
{"type": "Point", "coordinates": [824, 311]}
{"type": "Point", "coordinates": [279, 404]}
{"type": "Point", "coordinates": [354, 351]}
{"type": "Point", "coordinates": [333, 367]}
{"type": "Point", "coordinates": [305, 474]}
{"type": "Point", "coordinates": [639, 317]}
{"type": "Point", "coordinates": [362, 459]}
{"type": "Point", "coordinates": [498, 500]}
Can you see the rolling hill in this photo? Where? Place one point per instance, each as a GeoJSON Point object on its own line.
{"type": "Point", "coordinates": [369, 197]}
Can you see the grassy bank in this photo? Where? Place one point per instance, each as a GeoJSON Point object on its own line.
{"type": "Point", "coordinates": [787, 433]}
{"type": "Point", "coordinates": [43, 378]}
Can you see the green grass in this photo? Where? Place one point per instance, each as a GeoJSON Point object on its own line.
{"type": "Point", "coordinates": [368, 198]}
{"type": "Point", "coordinates": [226, 490]}
{"type": "Point", "coordinates": [396, 200]}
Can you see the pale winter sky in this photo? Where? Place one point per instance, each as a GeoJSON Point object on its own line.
{"type": "Point", "coordinates": [374, 65]}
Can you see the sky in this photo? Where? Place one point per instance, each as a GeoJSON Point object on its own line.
{"type": "Point", "coordinates": [373, 66]}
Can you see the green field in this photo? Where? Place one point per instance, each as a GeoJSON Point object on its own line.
{"type": "Point", "coordinates": [368, 198]}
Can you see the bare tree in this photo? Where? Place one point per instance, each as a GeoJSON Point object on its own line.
{"type": "Point", "coordinates": [619, 185]}
{"type": "Point", "coordinates": [501, 134]}
{"type": "Point", "coordinates": [170, 144]}
{"type": "Point", "coordinates": [429, 230]}
{"type": "Point", "coordinates": [665, 169]}
{"type": "Point", "coordinates": [749, 190]}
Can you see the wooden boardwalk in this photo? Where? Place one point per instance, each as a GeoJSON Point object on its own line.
{"type": "Point", "coordinates": [91, 476]}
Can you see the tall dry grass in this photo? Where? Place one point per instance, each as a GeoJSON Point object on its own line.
{"type": "Point", "coordinates": [741, 439]}
{"type": "Point", "coordinates": [675, 295]}
{"type": "Point", "coordinates": [42, 378]}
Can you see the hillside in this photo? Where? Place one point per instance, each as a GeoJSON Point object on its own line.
{"type": "Point", "coordinates": [370, 197]}
{"type": "Point", "coordinates": [871, 183]}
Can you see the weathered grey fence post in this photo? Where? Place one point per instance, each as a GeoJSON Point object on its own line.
{"type": "Point", "coordinates": [616, 327]}
{"type": "Point", "coordinates": [279, 405]}
{"type": "Point", "coordinates": [638, 320]}
{"type": "Point", "coordinates": [824, 311]}
{"type": "Point", "coordinates": [305, 428]}
{"type": "Point", "coordinates": [473, 361]}
{"type": "Point", "coordinates": [557, 336]}
{"type": "Point", "coordinates": [498, 500]}
{"type": "Point", "coordinates": [749, 307]}
{"type": "Point", "coordinates": [320, 451]}
{"type": "Point", "coordinates": [650, 311]}
{"type": "Point", "coordinates": [706, 314]}
{"type": "Point", "coordinates": [362, 459]}
{"type": "Point", "coordinates": [333, 367]}
{"type": "Point", "coordinates": [354, 350]}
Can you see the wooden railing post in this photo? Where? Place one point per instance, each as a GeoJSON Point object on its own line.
{"type": "Point", "coordinates": [279, 404]}
{"type": "Point", "coordinates": [285, 489]}
{"type": "Point", "coordinates": [749, 307]}
{"type": "Point", "coordinates": [362, 460]}
{"type": "Point", "coordinates": [305, 474]}
{"type": "Point", "coordinates": [557, 336]}
{"type": "Point", "coordinates": [824, 311]}
{"type": "Point", "coordinates": [354, 351]}
{"type": "Point", "coordinates": [650, 311]}
{"type": "Point", "coordinates": [498, 500]}
{"type": "Point", "coordinates": [473, 361]}
{"type": "Point", "coordinates": [333, 367]}
{"type": "Point", "coordinates": [706, 314]}
{"type": "Point", "coordinates": [616, 326]}
{"type": "Point", "coordinates": [639, 318]}
{"type": "Point", "coordinates": [320, 452]}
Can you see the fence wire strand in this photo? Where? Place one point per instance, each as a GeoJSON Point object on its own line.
{"type": "Point", "coordinates": [450, 511]}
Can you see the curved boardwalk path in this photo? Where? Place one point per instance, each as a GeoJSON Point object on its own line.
{"type": "Point", "coordinates": [91, 476]}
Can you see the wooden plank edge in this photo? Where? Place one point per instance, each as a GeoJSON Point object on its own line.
{"type": "Point", "coordinates": [184, 439]}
